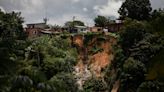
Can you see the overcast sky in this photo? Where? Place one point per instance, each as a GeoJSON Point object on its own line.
{"type": "Point", "coordinates": [60, 11]}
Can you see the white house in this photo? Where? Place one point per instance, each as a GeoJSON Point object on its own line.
{"type": "Point", "coordinates": [83, 29]}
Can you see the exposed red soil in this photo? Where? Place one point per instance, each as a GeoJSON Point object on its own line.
{"type": "Point", "coordinates": [78, 40]}
{"type": "Point", "coordinates": [101, 59]}
{"type": "Point", "coordinates": [98, 61]}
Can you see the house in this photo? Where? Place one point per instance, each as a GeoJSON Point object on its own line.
{"type": "Point", "coordinates": [35, 29]}
{"type": "Point", "coordinates": [33, 32]}
{"type": "Point", "coordinates": [76, 29]}
{"type": "Point", "coordinates": [96, 29]}
{"type": "Point", "coordinates": [81, 29]}
{"type": "Point", "coordinates": [37, 25]}
{"type": "Point", "coordinates": [115, 27]}
{"type": "Point", "coordinates": [38, 29]}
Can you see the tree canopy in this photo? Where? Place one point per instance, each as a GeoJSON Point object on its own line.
{"type": "Point", "coordinates": [43, 64]}
{"type": "Point", "coordinates": [74, 23]}
{"type": "Point", "coordinates": [137, 59]}
{"type": "Point", "coordinates": [12, 44]}
{"type": "Point", "coordinates": [101, 21]}
{"type": "Point", "coordinates": [135, 9]}
{"type": "Point", "coordinates": [156, 22]}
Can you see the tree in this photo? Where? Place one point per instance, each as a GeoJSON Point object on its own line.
{"type": "Point", "coordinates": [101, 21]}
{"type": "Point", "coordinates": [22, 84]}
{"type": "Point", "coordinates": [94, 85]}
{"type": "Point", "coordinates": [132, 33]}
{"type": "Point", "coordinates": [151, 86]}
{"type": "Point", "coordinates": [135, 9]}
{"type": "Point", "coordinates": [64, 82]}
{"type": "Point", "coordinates": [50, 64]}
{"type": "Point", "coordinates": [131, 69]}
{"type": "Point", "coordinates": [157, 21]}
{"type": "Point", "coordinates": [11, 26]}
{"type": "Point", "coordinates": [74, 23]}
{"type": "Point", "coordinates": [138, 51]}
{"type": "Point", "coordinates": [29, 65]}
{"type": "Point", "coordinates": [12, 44]}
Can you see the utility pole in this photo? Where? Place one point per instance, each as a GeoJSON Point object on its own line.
{"type": "Point", "coordinates": [45, 19]}
{"type": "Point", "coordinates": [73, 23]}
{"type": "Point", "coordinates": [74, 18]}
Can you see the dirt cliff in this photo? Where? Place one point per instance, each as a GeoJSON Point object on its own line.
{"type": "Point", "coordinates": [95, 54]}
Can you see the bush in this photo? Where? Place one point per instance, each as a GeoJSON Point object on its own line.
{"type": "Point", "coordinates": [151, 86]}
{"type": "Point", "coordinates": [132, 33]}
{"type": "Point", "coordinates": [94, 85]}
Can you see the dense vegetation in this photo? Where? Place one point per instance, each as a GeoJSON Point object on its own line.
{"type": "Point", "coordinates": [135, 9]}
{"type": "Point", "coordinates": [46, 64]}
{"type": "Point", "coordinates": [133, 63]}
{"type": "Point", "coordinates": [43, 64]}
{"type": "Point", "coordinates": [138, 63]}
{"type": "Point", "coordinates": [101, 21]}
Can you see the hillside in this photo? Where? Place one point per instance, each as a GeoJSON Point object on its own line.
{"type": "Point", "coordinates": [94, 54]}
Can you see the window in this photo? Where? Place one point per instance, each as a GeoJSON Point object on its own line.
{"type": "Point", "coordinates": [99, 29]}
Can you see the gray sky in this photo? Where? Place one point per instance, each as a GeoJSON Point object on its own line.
{"type": "Point", "coordinates": [60, 11]}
